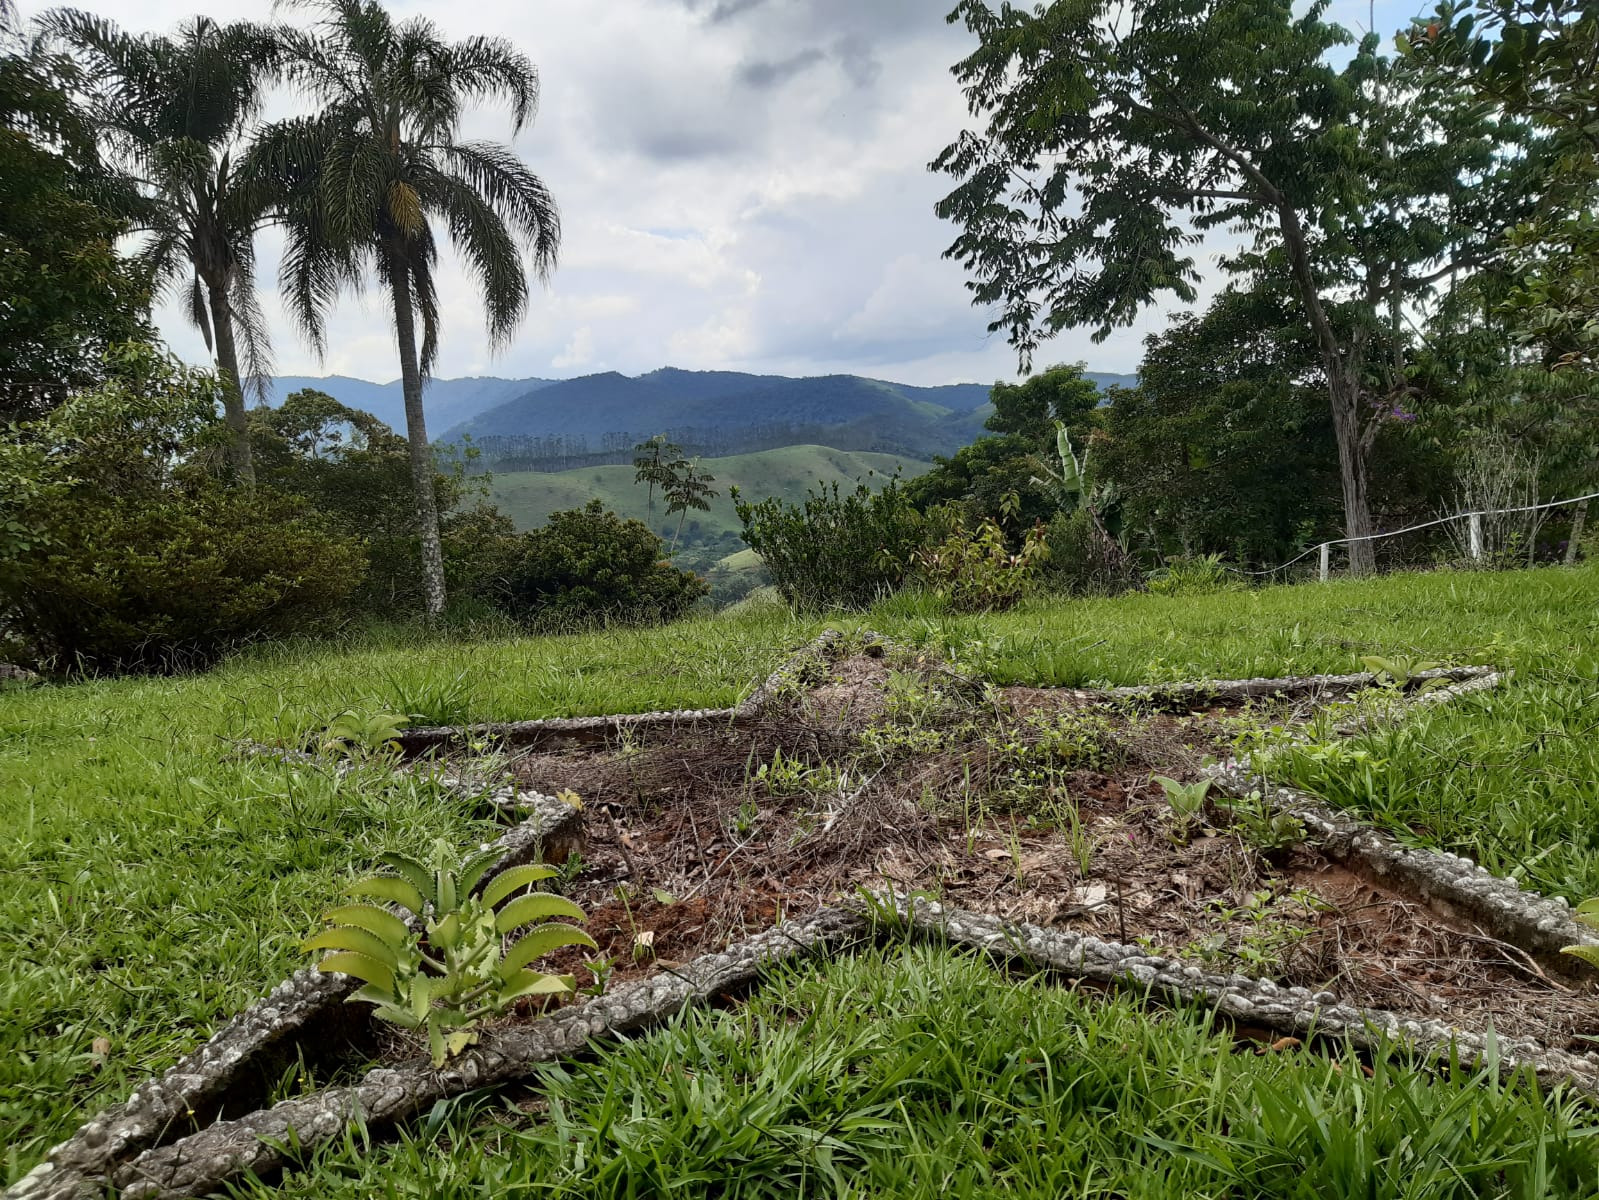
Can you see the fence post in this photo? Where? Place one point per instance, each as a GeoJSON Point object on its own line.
{"type": "Point", "coordinates": [1326, 549]}
{"type": "Point", "coordinates": [1474, 535]}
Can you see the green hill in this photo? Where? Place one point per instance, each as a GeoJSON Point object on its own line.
{"type": "Point", "coordinates": [529, 497]}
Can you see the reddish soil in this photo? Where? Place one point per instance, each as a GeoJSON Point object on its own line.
{"type": "Point", "coordinates": [1026, 803]}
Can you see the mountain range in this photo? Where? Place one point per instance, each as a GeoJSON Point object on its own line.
{"type": "Point", "coordinates": [593, 418]}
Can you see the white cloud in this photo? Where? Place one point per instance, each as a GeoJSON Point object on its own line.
{"type": "Point", "coordinates": [742, 184]}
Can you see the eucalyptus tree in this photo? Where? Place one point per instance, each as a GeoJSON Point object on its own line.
{"type": "Point", "coordinates": [173, 110]}
{"type": "Point", "coordinates": [1117, 135]}
{"type": "Point", "coordinates": [367, 182]}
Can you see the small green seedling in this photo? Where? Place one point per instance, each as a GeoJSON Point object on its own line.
{"type": "Point", "coordinates": [1187, 801]}
{"type": "Point", "coordinates": [356, 735]}
{"type": "Point", "coordinates": [448, 980]}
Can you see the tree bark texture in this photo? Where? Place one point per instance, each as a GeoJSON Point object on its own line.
{"type": "Point", "coordinates": [239, 453]}
{"type": "Point", "coordinates": [1579, 520]}
{"type": "Point", "coordinates": [427, 509]}
{"type": "Point", "coordinates": [1345, 391]}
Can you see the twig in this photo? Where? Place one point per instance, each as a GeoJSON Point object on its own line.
{"type": "Point", "coordinates": [621, 843]}
{"type": "Point", "coordinates": [693, 891]}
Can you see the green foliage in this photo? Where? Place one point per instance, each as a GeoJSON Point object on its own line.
{"type": "Point", "coordinates": [790, 775]}
{"type": "Point", "coordinates": [1083, 560]}
{"type": "Point", "coordinates": [1398, 670]}
{"type": "Point", "coordinates": [365, 187]}
{"type": "Point", "coordinates": [459, 972]}
{"type": "Point", "coordinates": [69, 296]}
{"type": "Point", "coordinates": [355, 472]}
{"type": "Point", "coordinates": [1588, 913]}
{"type": "Point", "coordinates": [148, 562]}
{"type": "Point", "coordinates": [1226, 445]}
{"type": "Point", "coordinates": [1263, 825]}
{"type": "Point", "coordinates": [976, 572]}
{"type": "Point", "coordinates": [656, 463]}
{"type": "Point", "coordinates": [1032, 409]}
{"type": "Point", "coordinates": [588, 565]}
{"type": "Point", "coordinates": [838, 549]}
{"type": "Point", "coordinates": [172, 108]}
{"type": "Point", "coordinates": [1106, 143]}
{"type": "Point", "coordinates": [978, 480]}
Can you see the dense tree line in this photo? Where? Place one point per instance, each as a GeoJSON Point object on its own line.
{"type": "Point", "coordinates": [1413, 220]}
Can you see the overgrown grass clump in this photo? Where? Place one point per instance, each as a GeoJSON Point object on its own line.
{"type": "Point", "coordinates": [920, 1073]}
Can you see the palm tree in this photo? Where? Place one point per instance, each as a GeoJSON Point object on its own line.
{"type": "Point", "coordinates": [173, 110]}
{"type": "Point", "coordinates": [366, 179]}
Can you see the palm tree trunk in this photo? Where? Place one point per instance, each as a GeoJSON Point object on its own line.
{"type": "Point", "coordinates": [416, 433]}
{"type": "Point", "coordinates": [681, 516]}
{"type": "Point", "coordinates": [239, 453]}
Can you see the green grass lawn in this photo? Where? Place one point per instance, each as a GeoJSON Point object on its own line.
{"type": "Point", "coordinates": [152, 886]}
{"type": "Point", "coordinates": [926, 1075]}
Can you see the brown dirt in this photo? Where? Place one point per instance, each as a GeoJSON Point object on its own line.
{"type": "Point", "coordinates": [688, 848]}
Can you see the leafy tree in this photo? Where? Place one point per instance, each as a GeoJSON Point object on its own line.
{"type": "Point", "coordinates": [355, 472]}
{"type": "Point", "coordinates": [686, 489]}
{"type": "Point", "coordinates": [1114, 136]}
{"type": "Point", "coordinates": [1539, 59]}
{"type": "Point", "coordinates": [364, 182]}
{"type": "Point", "coordinates": [139, 558]}
{"type": "Point", "coordinates": [1031, 409]}
{"type": "Point", "coordinates": [173, 110]}
{"type": "Point", "coordinates": [1226, 445]}
{"type": "Point", "coordinates": [656, 462]}
{"type": "Point", "coordinates": [587, 565]}
{"type": "Point", "coordinates": [979, 478]}
{"type": "Point", "coordinates": [68, 295]}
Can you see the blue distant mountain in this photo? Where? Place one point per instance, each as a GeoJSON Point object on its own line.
{"type": "Point", "coordinates": [447, 402]}
{"type": "Point", "coordinates": [601, 416]}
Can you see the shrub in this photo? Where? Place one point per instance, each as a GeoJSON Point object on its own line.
{"type": "Point", "coordinates": [588, 564]}
{"type": "Point", "coordinates": [170, 583]}
{"type": "Point", "coordinates": [355, 473]}
{"type": "Point", "coordinates": [136, 559]}
{"type": "Point", "coordinates": [839, 549]}
{"type": "Point", "coordinates": [1196, 576]}
{"type": "Point", "coordinates": [1082, 561]}
{"type": "Point", "coordinates": [977, 572]}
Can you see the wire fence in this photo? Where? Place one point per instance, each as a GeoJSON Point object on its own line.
{"type": "Point", "coordinates": [1467, 528]}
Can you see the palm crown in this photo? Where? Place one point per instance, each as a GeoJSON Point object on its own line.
{"type": "Point", "coordinates": [362, 183]}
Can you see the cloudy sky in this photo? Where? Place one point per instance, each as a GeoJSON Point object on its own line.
{"type": "Point", "coordinates": [743, 185]}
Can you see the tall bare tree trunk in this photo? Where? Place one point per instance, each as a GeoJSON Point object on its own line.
{"type": "Point", "coordinates": [416, 433]}
{"type": "Point", "coordinates": [1578, 520]}
{"type": "Point", "coordinates": [1345, 395]}
{"type": "Point", "coordinates": [239, 453]}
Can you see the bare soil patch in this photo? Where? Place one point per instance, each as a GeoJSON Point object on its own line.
{"type": "Point", "coordinates": [1031, 804]}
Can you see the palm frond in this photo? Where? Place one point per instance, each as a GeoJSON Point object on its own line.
{"type": "Point", "coordinates": [198, 312]}
{"type": "Point", "coordinates": [422, 259]}
{"type": "Point", "coordinates": [250, 329]}
{"type": "Point", "coordinates": [481, 237]}
{"type": "Point", "coordinates": [488, 68]}
{"type": "Point", "coordinates": [516, 194]}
